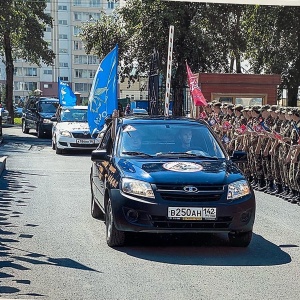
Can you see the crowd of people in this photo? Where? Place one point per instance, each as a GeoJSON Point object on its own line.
{"type": "Point", "coordinates": [270, 135]}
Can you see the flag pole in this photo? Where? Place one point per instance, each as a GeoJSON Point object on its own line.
{"type": "Point", "coordinates": [169, 70]}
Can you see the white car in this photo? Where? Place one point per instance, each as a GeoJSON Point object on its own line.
{"type": "Point", "coordinates": [70, 130]}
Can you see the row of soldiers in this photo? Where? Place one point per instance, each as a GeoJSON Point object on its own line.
{"type": "Point", "coordinates": [271, 136]}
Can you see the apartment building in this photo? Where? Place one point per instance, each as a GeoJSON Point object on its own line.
{"type": "Point", "coordinates": [71, 64]}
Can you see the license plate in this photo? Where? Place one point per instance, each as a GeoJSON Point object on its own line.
{"type": "Point", "coordinates": [192, 213]}
{"type": "Point", "coordinates": [85, 141]}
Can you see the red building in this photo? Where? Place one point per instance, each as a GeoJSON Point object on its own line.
{"type": "Point", "coordinates": [245, 89]}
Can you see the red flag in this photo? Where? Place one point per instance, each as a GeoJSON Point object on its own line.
{"type": "Point", "coordinates": [195, 91]}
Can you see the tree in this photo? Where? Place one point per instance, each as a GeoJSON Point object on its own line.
{"type": "Point", "coordinates": [22, 26]}
{"type": "Point", "coordinates": [274, 44]}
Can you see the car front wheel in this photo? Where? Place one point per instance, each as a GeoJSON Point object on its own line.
{"type": "Point", "coordinates": [241, 239]}
{"type": "Point", "coordinates": [39, 131]}
{"type": "Point", "coordinates": [96, 212]}
{"type": "Point", "coordinates": [114, 237]}
{"type": "Point", "coordinates": [24, 128]}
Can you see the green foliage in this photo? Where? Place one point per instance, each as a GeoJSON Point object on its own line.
{"type": "Point", "coordinates": [22, 26]}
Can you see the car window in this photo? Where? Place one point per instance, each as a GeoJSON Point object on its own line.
{"type": "Point", "coordinates": [48, 107]}
{"type": "Point", "coordinates": [106, 142]}
{"type": "Point", "coordinates": [159, 139]}
{"type": "Point", "coordinates": [73, 115]}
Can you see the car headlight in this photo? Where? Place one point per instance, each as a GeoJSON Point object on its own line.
{"type": "Point", "coordinates": [238, 189]}
{"type": "Point", "coordinates": [137, 188]}
{"type": "Point", "coordinates": [65, 133]}
{"type": "Point", "coordinates": [47, 121]}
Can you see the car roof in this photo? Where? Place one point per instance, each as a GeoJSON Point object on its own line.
{"type": "Point", "coordinates": [159, 119]}
{"type": "Point", "coordinates": [48, 99]}
{"type": "Point", "coordinates": [84, 107]}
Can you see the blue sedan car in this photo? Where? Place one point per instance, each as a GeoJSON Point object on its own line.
{"type": "Point", "coordinates": [169, 175]}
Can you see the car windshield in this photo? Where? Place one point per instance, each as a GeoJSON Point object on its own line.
{"type": "Point", "coordinates": [169, 140]}
{"type": "Point", "coordinates": [48, 107]}
{"type": "Point", "coordinates": [74, 115]}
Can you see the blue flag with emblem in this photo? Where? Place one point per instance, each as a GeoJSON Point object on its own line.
{"type": "Point", "coordinates": [65, 94]}
{"type": "Point", "coordinates": [103, 95]}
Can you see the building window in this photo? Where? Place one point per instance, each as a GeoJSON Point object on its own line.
{"type": "Point", "coordinates": [64, 65]}
{"type": "Point", "coordinates": [48, 72]}
{"type": "Point", "coordinates": [95, 3]}
{"type": "Point", "coordinates": [62, 22]}
{"type": "Point", "coordinates": [66, 79]}
{"type": "Point", "coordinates": [110, 4]}
{"type": "Point", "coordinates": [47, 29]}
{"type": "Point", "coordinates": [63, 36]}
{"type": "Point", "coordinates": [30, 71]}
{"type": "Point", "coordinates": [77, 16]}
{"type": "Point", "coordinates": [77, 2]}
{"type": "Point", "coordinates": [83, 87]}
{"type": "Point", "coordinates": [62, 50]}
{"type": "Point", "coordinates": [78, 45]}
{"type": "Point", "coordinates": [62, 7]}
{"type": "Point", "coordinates": [48, 86]}
{"type": "Point", "coordinates": [18, 71]}
{"type": "Point", "coordinates": [77, 30]}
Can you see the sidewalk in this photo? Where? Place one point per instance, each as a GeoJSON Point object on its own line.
{"type": "Point", "coordinates": [2, 159]}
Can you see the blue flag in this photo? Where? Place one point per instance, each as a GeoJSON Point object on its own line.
{"type": "Point", "coordinates": [103, 95]}
{"type": "Point", "coordinates": [65, 94]}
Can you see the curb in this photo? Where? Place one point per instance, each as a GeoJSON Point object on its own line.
{"type": "Point", "coordinates": [2, 164]}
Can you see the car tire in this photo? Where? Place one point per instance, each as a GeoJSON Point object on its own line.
{"type": "Point", "coordinates": [96, 211]}
{"type": "Point", "coordinates": [39, 131]}
{"type": "Point", "coordinates": [241, 239]}
{"type": "Point", "coordinates": [57, 150]}
{"type": "Point", "coordinates": [53, 145]}
{"type": "Point", "coordinates": [24, 128]}
{"type": "Point", "coordinates": [114, 237]}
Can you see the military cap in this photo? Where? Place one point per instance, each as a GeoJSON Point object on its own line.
{"type": "Point", "coordinates": [265, 107]}
{"type": "Point", "coordinates": [297, 112]}
{"type": "Point", "coordinates": [238, 107]}
{"type": "Point", "coordinates": [219, 104]}
{"type": "Point", "coordinates": [245, 109]}
{"type": "Point", "coordinates": [256, 108]}
{"type": "Point", "coordinates": [273, 108]}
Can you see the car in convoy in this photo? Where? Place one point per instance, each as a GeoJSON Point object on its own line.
{"type": "Point", "coordinates": [139, 111]}
{"type": "Point", "coordinates": [71, 131]}
{"type": "Point", "coordinates": [37, 114]}
{"type": "Point", "coordinates": [18, 111]}
{"type": "Point", "coordinates": [169, 175]}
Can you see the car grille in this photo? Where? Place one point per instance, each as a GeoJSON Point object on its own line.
{"type": "Point", "coordinates": [205, 193]}
{"type": "Point", "coordinates": [81, 135]}
{"type": "Point", "coordinates": [164, 222]}
{"type": "Point", "coordinates": [83, 145]}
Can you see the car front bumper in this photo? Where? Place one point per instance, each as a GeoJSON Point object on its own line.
{"type": "Point", "coordinates": [147, 216]}
{"type": "Point", "coordinates": [76, 144]}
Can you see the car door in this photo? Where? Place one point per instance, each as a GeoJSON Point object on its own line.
{"type": "Point", "coordinates": [31, 114]}
{"type": "Point", "coordinates": [101, 169]}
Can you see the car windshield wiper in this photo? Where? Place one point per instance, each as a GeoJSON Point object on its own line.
{"type": "Point", "coordinates": [136, 153]}
{"type": "Point", "coordinates": [186, 154]}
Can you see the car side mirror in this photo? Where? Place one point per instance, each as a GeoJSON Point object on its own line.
{"type": "Point", "coordinates": [239, 156]}
{"type": "Point", "coordinates": [99, 155]}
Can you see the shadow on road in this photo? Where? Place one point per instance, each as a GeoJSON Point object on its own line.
{"type": "Point", "coordinates": [205, 250]}
{"type": "Point", "coordinates": [14, 188]}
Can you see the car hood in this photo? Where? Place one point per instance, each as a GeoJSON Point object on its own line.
{"type": "Point", "coordinates": [184, 171]}
{"type": "Point", "coordinates": [74, 126]}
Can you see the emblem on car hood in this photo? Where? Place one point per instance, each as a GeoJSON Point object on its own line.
{"type": "Point", "coordinates": [182, 166]}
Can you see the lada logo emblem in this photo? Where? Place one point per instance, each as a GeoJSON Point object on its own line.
{"type": "Point", "coordinates": [85, 133]}
{"type": "Point", "coordinates": [190, 189]}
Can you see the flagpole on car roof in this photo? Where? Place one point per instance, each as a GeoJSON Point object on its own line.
{"type": "Point", "coordinates": [169, 70]}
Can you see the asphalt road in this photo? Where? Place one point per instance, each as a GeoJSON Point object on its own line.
{"type": "Point", "coordinates": [51, 248]}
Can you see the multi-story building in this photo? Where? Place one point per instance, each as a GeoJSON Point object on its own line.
{"type": "Point", "coordinates": [71, 64]}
